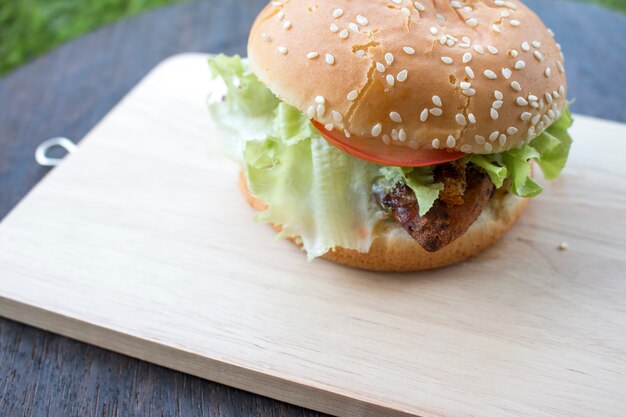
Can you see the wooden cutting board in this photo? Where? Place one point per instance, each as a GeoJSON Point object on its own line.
{"type": "Point", "coordinates": [140, 243]}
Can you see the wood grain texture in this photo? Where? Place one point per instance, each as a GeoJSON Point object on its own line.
{"type": "Point", "coordinates": [68, 91]}
{"type": "Point", "coordinates": [127, 246]}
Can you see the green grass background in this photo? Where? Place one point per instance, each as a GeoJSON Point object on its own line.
{"type": "Point", "coordinates": [29, 28]}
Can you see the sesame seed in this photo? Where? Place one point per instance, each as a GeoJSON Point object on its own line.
{"type": "Point", "coordinates": [424, 115]}
{"type": "Point", "coordinates": [532, 97]}
{"type": "Point", "coordinates": [394, 134]}
{"type": "Point", "coordinates": [406, 11]}
{"type": "Point", "coordinates": [352, 95]}
{"type": "Point", "coordinates": [436, 111]}
{"type": "Point", "coordinates": [343, 34]}
{"type": "Point", "coordinates": [419, 6]}
{"type": "Point", "coordinates": [562, 90]}
{"type": "Point", "coordinates": [408, 50]}
{"type": "Point", "coordinates": [538, 56]}
{"type": "Point", "coordinates": [560, 67]}
{"type": "Point", "coordinates": [280, 15]}
{"type": "Point", "coordinates": [535, 119]}
{"type": "Point", "coordinates": [329, 127]}
{"type": "Point", "coordinates": [497, 104]}
{"type": "Point", "coordinates": [330, 60]}
{"type": "Point", "coordinates": [515, 22]}
{"type": "Point", "coordinates": [494, 114]}
{"type": "Point", "coordinates": [386, 139]}
{"type": "Point", "coordinates": [402, 135]}
{"type": "Point", "coordinates": [471, 118]}
{"type": "Point", "coordinates": [551, 114]}
{"type": "Point", "coordinates": [472, 22]}
{"type": "Point", "coordinates": [548, 72]}
{"type": "Point", "coordinates": [479, 139]}
{"type": "Point", "coordinates": [563, 246]}
{"type": "Point", "coordinates": [361, 20]}
{"type": "Point", "coordinates": [287, 25]}
{"type": "Point", "coordinates": [488, 147]}
{"type": "Point", "coordinates": [521, 101]}
{"type": "Point", "coordinates": [498, 95]}
{"type": "Point", "coordinates": [434, 31]}
{"type": "Point", "coordinates": [525, 47]}
{"type": "Point", "coordinates": [437, 101]}
{"type": "Point", "coordinates": [506, 73]}
{"type": "Point", "coordinates": [516, 86]}
{"type": "Point", "coordinates": [465, 85]}
{"type": "Point", "coordinates": [334, 28]}
{"type": "Point", "coordinates": [440, 17]}
{"type": "Point", "coordinates": [548, 98]}
{"type": "Point", "coordinates": [492, 49]}
{"type": "Point", "coordinates": [450, 43]}
{"type": "Point", "coordinates": [494, 135]}
{"type": "Point", "coordinates": [469, 72]}
{"type": "Point", "coordinates": [537, 44]}
{"type": "Point", "coordinates": [446, 60]}
{"type": "Point", "coordinates": [466, 148]}
{"type": "Point", "coordinates": [353, 27]}
{"type": "Point", "coordinates": [390, 80]}
{"type": "Point", "coordinates": [312, 55]}
{"type": "Point", "coordinates": [395, 116]}
{"type": "Point", "coordinates": [380, 67]}
{"type": "Point", "coordinates": [455, 4]}
{"type": "Point", "coordinates": [467, 57]}
{"type": "Point", "coordinates": [502, 139]}
{"type": "Point", "coordinates": [513, 53]}
{"type": "Point", "coordinates": [282, 50]}
{"type": "Point", "coordinates": [460, 119]}
{"type": "Point", "coordinates": [496, 28]}
{"type": "Point", "coordinates": [347, 133]}
{"type": "Point", "coordinates": [469, 92]}
{"type": "Point", "coordinates": [534, 104]}
{"type": "Point", "coordinates": [511, 130]}
{"type": "Point", "coordinates": [337, 117]}
{"type": "Point", "coordinates": [443, 40]}
{"type": "Point", "coordinates": [402, 76]}
{"type": "Point", "coordinates": [499, 2]}
{"type": "Point", "coordinates": [377, 130]}
{"type": "Point", "coordinates": [555, 94]}
{"type": "Point", "coordinates": [451, 142]}
{"type": "Point", "coordinates": [321, 109]}
{"type": "Point", "coordinates": [337, 13]}
{"type": "Point", "coordinates": [519, 65]}
{"type": "Point", "coordinates": [320, 100]}
{"type": "Point", "coordinates": [360, 53]}
{"type": "Point", "coordinates": [479, 49]}
{"type": "Point", "coordinates": [436, 143]}
{"type": "Point", "coordinates": [266, 37]}
{"type": "Point", "coordinates": [490, 74]}
{"type": "Point", "coordinates": [311, 112]}
{"type": "Point", "coordinates": [389, 58]}
{"type": "Point", "coordinates": [525, 116]}
{"type": "Point", "coordinates": [505, 13]}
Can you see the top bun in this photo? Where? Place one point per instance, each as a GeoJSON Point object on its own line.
{"type": "Point", "coordinates": [478, 77]}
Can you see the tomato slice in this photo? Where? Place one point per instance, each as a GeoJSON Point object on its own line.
{"type": "Point", "coordinates": [375, 150]}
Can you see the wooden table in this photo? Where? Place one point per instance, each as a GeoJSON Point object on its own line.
{"type": "Point", "coordinates": [68, 91]}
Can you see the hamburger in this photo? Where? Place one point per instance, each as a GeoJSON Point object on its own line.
{"type": "Point", "coordinates": [394, 135]}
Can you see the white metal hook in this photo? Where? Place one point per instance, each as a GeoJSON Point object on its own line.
{"type": "Point", "coordinates": [41, 154]}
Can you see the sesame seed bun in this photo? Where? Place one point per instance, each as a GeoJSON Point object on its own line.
{"type": "Point", "coordinates": [394, 250]}
{"type": "Point", "coordinates": [477, 77]}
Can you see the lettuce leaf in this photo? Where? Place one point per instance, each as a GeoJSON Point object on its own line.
{"type": "Point", "coordinates": [315, 191]}
{"type": "Point", "coordinates": [323, 195]}
{"type": "Point", "coordinates": [243, 108]}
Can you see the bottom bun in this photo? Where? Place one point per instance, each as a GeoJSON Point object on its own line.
{"type": "Point", "coordinates": [394, 250]}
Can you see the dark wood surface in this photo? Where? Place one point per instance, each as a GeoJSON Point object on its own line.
{"type": "Point", "coordinates": [68, 91]}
